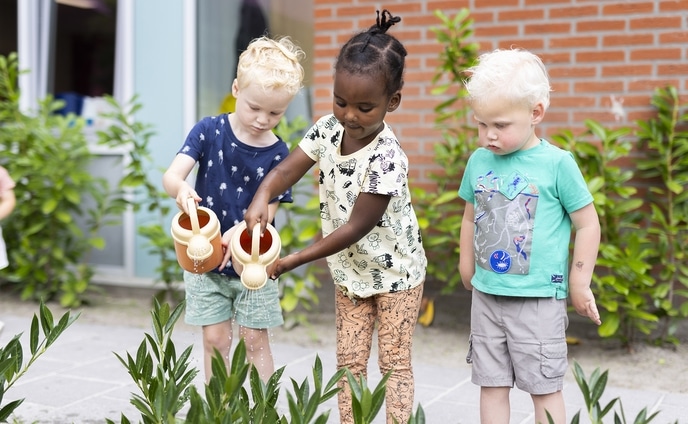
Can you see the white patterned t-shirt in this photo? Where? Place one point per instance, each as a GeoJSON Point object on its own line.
{"type": "Point", "coordinates": [390, 257]}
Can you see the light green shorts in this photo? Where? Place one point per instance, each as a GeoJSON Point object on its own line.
{"type": "Point", "coordinates": [212, 298]}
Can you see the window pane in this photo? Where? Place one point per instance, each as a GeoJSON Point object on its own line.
{"type": "Point", "coordinates": [225, 27]}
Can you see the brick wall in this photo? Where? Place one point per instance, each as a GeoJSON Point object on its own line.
{"type": "Point", "coordinates": [605, 57]}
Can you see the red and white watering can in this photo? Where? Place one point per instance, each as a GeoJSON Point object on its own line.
{"type": "Point", "coordinates": [252, 254]}
{"type": "Point", "coordinates": [197, 239]}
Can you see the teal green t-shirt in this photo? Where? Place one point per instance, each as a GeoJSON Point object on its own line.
{"type": "Point", "coordinates": [522, 203]}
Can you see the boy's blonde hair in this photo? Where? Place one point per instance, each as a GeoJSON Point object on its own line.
{"type": "Point", "coordinates": [515, 75]}
{"type": "Point", "coordinates": [274, 64]}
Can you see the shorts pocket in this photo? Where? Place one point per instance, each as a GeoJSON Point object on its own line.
{"type": "Point", "coordinates": [554, 361]}
{"type": "Point", "coordinates": [469, 355]}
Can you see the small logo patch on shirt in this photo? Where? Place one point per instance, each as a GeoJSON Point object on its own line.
{"type": "Point", "coordinates": [557, 278]}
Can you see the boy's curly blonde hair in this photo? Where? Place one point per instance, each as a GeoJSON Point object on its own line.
{"type": "Point", "coordinates": [273, 64]}
{"type": "Point", "coordinates": [514, 75]}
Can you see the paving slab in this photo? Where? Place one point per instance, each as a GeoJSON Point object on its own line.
{"type": "Point", "coordinates": [79, 380]}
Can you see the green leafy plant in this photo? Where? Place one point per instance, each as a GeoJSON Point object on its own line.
{"type": "Point", "coordinates": [137, 191]}
{"type": "Point", "coordinates": [623, 286]}
{"type": "Point", "coordinates": [165, 381]}
{"type": "Point", "coordinates": [12, 366]}
{"type": "Point", "coordinates": [641, 280]}
{"type": "Point", "coordinates": [664, 140]}
{"type": "Point", "coordinates": [298, 225]}
{"type": "Point", "coordinates": [303, 405]}
{"type": "Point", "coordinates": [365, 404]}
{"type": "Point", "coordinates": [49, 233]}
{"type": "Point", "coordinates": [592, 390]}
{"type": "Point", "coordinates": [163, 378]}
{"type": "Point", "coordinates": [441, 206]}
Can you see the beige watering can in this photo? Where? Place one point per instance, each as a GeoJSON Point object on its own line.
{"type": "Point", "coordinates": [252, 254]}
{"type": "Point", "coordinates": [197, 239]}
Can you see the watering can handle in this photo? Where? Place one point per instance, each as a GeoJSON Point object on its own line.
{"type": "Point", "coordinates": [255, 244]}
{"type": "Point", "coordinates": [193, 215]}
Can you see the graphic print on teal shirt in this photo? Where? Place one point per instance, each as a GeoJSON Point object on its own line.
{"type": "Point", "coordinates": [504, 217]}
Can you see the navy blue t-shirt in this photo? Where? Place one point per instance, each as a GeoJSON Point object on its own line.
{"type": "Point", "coordinates": [229, 171]}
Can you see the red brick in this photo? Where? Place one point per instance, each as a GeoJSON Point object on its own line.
{"type": "Point", "coordinates": [599, 87]}
{"type": "Point", "coordinates": [628, 40]}
{"type": "Point", "coordinates": [526, 44]}
{"type": "Point", "coordinates": [548, 28]}
{"type": "Point", "coordinates": [673, 5]}
{"type": "Point", "coordinates": [663, 22]}
{"type": "Point", "coordinates": [600, 56]}
{"type": "Point", "coordinates": [485, 4]}
{"type": "Point", "coordinates": [573, 11]}
{"type": "Point", "coordinates": [673, 69]}
{"type": "Point", "coordinates": [545, 2]}
{"type": "Point", "coordinates": [520, 15]}
{"type": "Point", "coordinates": [576, 102]}
{"type": "Point", "coordinates": [555, 57]}
{"type": "Point", "coordinates": [674, 37]}
{"type": "Point", "coordinates": [497, 31]}
{"type": "Point", "coordinates": [649, 85]}
{"type": "Point", "coordinates": [633, 70]}
{"type": "Point", "coordinates": [596, 26]}
{"type": "Point", "coordinates": [656, 54]}
{"type": "Point", "coordinates": [572, 72]}
{"type": "Point", "coordinates": [627, 8]}
{"type": "Point", "coordinates": [445, 5]}
{"type": "Point", "coordinates": [572, 42]}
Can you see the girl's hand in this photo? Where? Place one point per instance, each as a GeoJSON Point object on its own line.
{"type": "Point", "coordinates": [283, 265]}
{"type": "Point", "coordinates": [257, 213]}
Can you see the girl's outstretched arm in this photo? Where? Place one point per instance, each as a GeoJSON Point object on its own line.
{"type": "Point", "coordinates": [278, 180]}
{"type": "Point", "coordinates": [366, 213]}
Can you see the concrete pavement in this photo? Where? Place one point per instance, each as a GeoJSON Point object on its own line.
{"type": "Point", "coordinates": [79, 380]}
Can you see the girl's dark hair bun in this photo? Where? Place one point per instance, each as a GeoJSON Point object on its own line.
{"type": "Point", "coordinates": [384, 22]}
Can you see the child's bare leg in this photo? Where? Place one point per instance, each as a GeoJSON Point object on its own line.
{"type": "Point", "coordinates": [355, 324]}
{"type": "Point", "coordinates": [552, 403]}
{"type": "Point", "coordinates": [258, 350]}
{"type": "Point", "coordinates": [398, 313]}
{"type": "Point", "coordinates": [494, 405]}
{"type": "Point", "coordinates": [216, 336]}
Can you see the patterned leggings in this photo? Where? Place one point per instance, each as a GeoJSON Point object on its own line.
{"type": "Point", "coordinates": [396, 315]}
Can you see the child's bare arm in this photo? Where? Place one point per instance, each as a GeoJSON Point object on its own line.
{"type": "Point", "coordinates": [585, 247]}
{"type": "Point", "coordinates": [174, 180]}
{"type": "Point", "coordinates": [278, 180]}
{"type": "Point", "coordinates": [7, 203]}
{"type": "Point", "coordinates": [466, 254]}
{"type": "Point", "coordinates": [367, 212]}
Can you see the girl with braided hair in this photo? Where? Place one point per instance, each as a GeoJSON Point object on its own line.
{"type": "Point", "coordinates": [371, 237]}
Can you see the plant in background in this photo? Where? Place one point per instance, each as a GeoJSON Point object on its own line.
{"type": "Point", "coordinates": [12, 366]}
{"type": "Point", "coordinates": [624, 288]}
{"type": "Point", "coordinates": [442, 208]}
{"type": "Point", "coordinates": [298, 225]}
{"type": "Point", "coordinates": [135, 189]}
{"type": "Point", "coordinates": [592, 391]}
{"type": "Point", "coordinates": [664, 140]}
{"type": "Point", "coordinates": [49, 233]}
